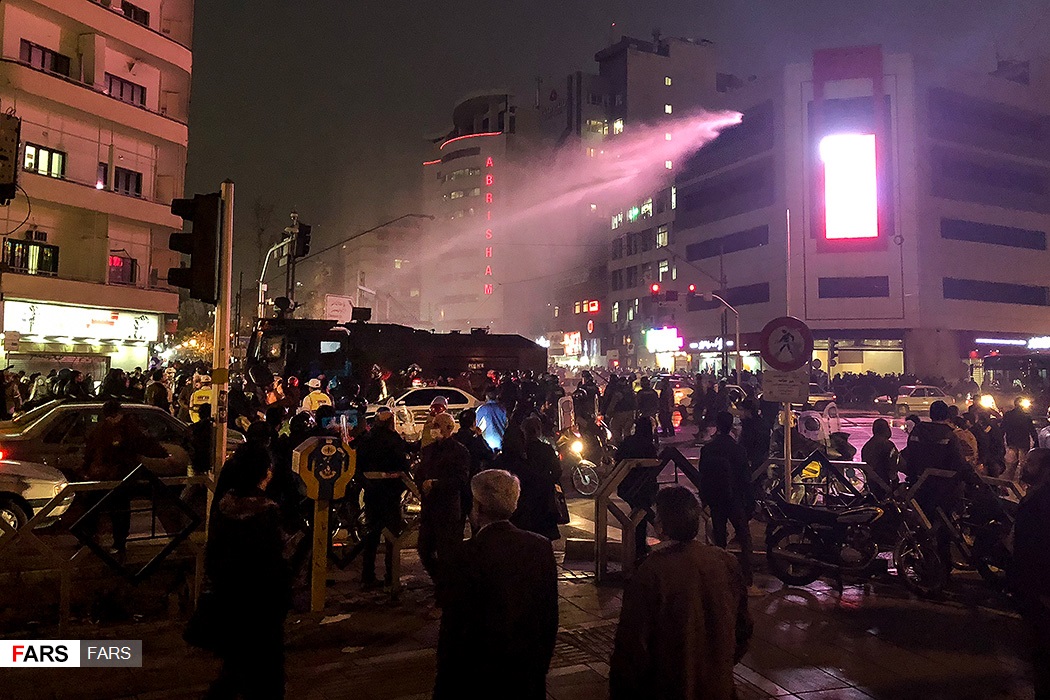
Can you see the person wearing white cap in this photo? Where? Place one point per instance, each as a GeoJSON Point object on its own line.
{"type": "Point", "coordinates": [438, 406]}
{"type": "Point", "coordinates": [316, 398]}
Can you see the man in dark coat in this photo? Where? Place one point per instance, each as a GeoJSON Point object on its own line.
{"type": "Point", "coordinates": [247, 567]}
{"type": "Point", "coordinates": [1020, 436]}
{"type": "Point", "coordinates": [1030, 570]}
{"type": "Point", "coordinates": [725, 487]}
{"type": "Point", "coordinates": [638, 487]}
{"type": "Point", "coordinates": [538, 474]}
{"type": "Point", "coordinates": [882, 457]}
{"type": "Point", "coordinates": [684, 622]}
{"type": "Point", "coordinates": [382, 459]}
{"type": "Point", "coordinates": [500, 613]}
{"type": "Point", "coordinates": [444, 471]}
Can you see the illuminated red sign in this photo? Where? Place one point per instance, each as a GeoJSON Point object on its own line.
{"type": "Point", "coordinates": [851, 199]}
{"type": "Point", "coordinates": [488, 217]}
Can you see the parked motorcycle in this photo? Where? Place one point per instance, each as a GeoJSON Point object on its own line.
{"type": "Point", "coordinates": [583, 453]}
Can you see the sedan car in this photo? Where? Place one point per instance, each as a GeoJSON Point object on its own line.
{"type": "Point", "coordinates": [415, 403]}
{"type": "Point", "coordinates": [55, 435]}
{"type": "Point", "coordinates": [913, 399]}
{"type": "Point", "coordinates": [25, 488]}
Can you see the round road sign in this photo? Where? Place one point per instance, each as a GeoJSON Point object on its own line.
{"type": "Point", "coordinates": [787, 344]}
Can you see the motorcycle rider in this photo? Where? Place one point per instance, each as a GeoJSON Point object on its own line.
{"type": "Point", "coordinates": [1020, 437]}
{"type": "Point", "coordinates": [934, 445]}
{"type": "Point", "coordinates": [725, 487]}
{"type": "Point", "coordinates": [382, 457]}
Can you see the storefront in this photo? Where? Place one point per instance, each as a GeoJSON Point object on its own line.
{"type": "Point", "coordinates": [717, 356]}
{"type": "Point", "coordinates": [39, 337]}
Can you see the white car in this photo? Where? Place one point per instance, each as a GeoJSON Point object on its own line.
{"type": "Point", "coordinates": [412, 408]}
{"type": "Point", "coordinates": [25, 488]}
{"type": "Point", "coordinates": [913, 398]}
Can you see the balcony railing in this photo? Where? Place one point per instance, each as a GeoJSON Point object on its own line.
{"type": "Point", "coordinates": [30, 258]}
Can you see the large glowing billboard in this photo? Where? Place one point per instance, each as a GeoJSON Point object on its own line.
{"type": "Point", "coordinates": [851, 198]}
{"type": "Point", "coordinates": [663, 340]}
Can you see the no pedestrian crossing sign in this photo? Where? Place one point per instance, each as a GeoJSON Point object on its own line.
{"type": "Point", "coordinates": [787, 344]}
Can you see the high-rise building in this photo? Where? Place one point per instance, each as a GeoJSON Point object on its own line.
{"type": "Point", "coordinates": [102, 90]}
{"type": "Point", "coordinates": [469, 187]}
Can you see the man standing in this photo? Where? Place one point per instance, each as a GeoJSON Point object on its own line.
{"type": "Point", "coordinates": [492, 420]}
{"type": "Point", "coordinates": [1020, 437]}
{"type": "Point", "coordinates": [500, 616]}
{"type": "Point", "coordinates": [443, 473]}
{"type": "Point", "coordinates": [725, 487]}
{"type": "Point", "coordinates": [1030, 572]}
{"type": "Point", "coordinates": [382, 458]}
{"type": "Point", "coordinates": [316, 398]}
{"type": "Point", "coordinates": [666, 407]}
{"type": "Point", "coordinates": [684, 622]}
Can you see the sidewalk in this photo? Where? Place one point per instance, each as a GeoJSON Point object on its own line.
{"type": "Point", "coordinates": [870, 641]}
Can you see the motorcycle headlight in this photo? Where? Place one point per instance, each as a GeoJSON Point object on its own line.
{"type": "Point", "coordinates": [1026, 404]}
{"type": "Point", "coordinates": [987, 401]}
{"type": "Point", "coordinates": [577, 446]}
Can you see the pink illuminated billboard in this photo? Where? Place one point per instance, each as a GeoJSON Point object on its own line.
{"type": "Point", "coordinates": [851, 198]}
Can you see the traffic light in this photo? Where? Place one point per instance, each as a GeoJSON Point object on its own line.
{"type": "Point", "coordinates": [654, 291]}
{"type": "Point", "coordinates": [302, 242]}
{"type": "Point", "coordinates": [692, 290]}
{"type": "Point", "coordinates": [201, 244]}
{"type": "Point", "coordinates": [833, 353]}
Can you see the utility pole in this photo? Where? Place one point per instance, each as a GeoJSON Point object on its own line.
{"type": "Point", "coordinates": [220, 377]}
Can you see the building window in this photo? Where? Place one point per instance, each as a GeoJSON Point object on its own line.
{"type": "Point", "coordinates": [125, 90]}
{"type": "Point", "coordinates": [30, 257]}
{"type": "Point", "coordinates": [997, 292]}
{"type": "Point", "coordinates": [730, 243]}
{"type": "Point", "coordinates": [43, 59]}
{"type": "Point", "coordinates": [667, 80]}
{"type": "Point", "coordinates": [576, 308]}
{"type": "Point", "coordinates": [674, 272]}
{"type": "Point", "coordinates": [663, 237]}
{"type": "Point", "coordinates": [647, 208]}
{"type": "Point", "coordinates": [135, 13]}
{"type": "Point", "coordinates": [128, 182]}
{"type": "Point", "coordinates": [398, 263]}
{"type": "Point", "coordinates": [123, 269]}
{"type": "Point", "coordinates": [618, 126]}
{"type": "Point", "coordinates": [667, 109]}
{"type": "Point", "coordinates": [599, 126]}
{"type": "Point", "coordinates": [853, 287]}
{"type": "Point", "coordinates": [44, 161]}
{"type": "Point", "coordinates": [617, 220]}
{"type": "Point", "coordinates": [667, 136]}
{"type": "Point", "coordinates": [632, 277]}
{"type": "Point", "coordinates": [615, 312]}
{"type": "Point", "coordinates": [668, 164]}
{"type": "Point", "coordinates": [976, 232]}
{"type": "Point", "coordinates": [664, 269]}
{"type": "Point", "coordinates": [633, 213]}
{"type": "Point", "coordinates": [674, 197]}
{"type": "Point", "coordinates": [556, 311]}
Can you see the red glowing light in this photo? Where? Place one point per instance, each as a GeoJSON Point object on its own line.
{"type": "Point", "coordinates": [593, 306]}
{"type": "Point", "coordinates": [469, 136]}
{"type": "Point", "coordinates": [488, 270]}
{"type": "Point", "coordinates": [488, 234]}
{"type": "Point", "coordinates": [488, 199]}
{"type": "Point", "coordinates": [488, 252]}
{"type": "Point", "coordinates": [488, 289]}
{"type": "Point", "coordinates": [654, 288]}
{"type": "Point", "coordinates": [488, 163]}
{"type": "Point", "coordinates": [431, 162]}
{"type": "Point", "coordinates": [116, 261]}
{"type": "Point", "coordinates": [488, 180]}
{"type": "Point", "coordinates": [851, 203]}
{"type": "Point", "coordinates": [692, 288]}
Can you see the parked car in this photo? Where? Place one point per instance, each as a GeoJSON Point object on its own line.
{"type": "Point", "coordinates": [413, 407]}
{"type": "Point", "coordinates": [55, 435]}
{"type": "Point", "coordinates": [914, 398]}
{"type": "Point", "coordinates": [25, 488]}
{"type": "Point", "coordinates": [818, 398]}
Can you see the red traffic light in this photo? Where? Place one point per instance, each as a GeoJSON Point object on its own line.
{"type": "Point", "coordinates": [654, 288]}
{"type": "Point", "coordinates": [692, 290]}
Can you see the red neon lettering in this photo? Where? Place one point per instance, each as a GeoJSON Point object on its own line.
{"type": "Point", "coordinates": [488, 270]}
{"type": "Point", "coordinates": [488, 234]}
{"type": "Point", "coordinates": [488, 252]}
{"type": "Point", "coordinates": [488, 180]}
{"type": "Point", "coordinates": [488, 163]}
{"type": "Point", "coordinates": [488, 289]}
{"type": "Point", "coordinates": [488, 198]}
{"type": "Point", "coordinates": [488, 216]}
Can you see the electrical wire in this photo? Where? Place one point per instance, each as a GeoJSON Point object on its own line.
{"type": "Point", "coordinates": [29, 212]}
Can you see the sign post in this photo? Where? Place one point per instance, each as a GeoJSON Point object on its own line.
{"type": "Point", "coordinates": [326, 465]}
{"type": "Point", "coordinates": [787, 347]}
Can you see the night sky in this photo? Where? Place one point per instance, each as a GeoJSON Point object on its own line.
{"type": "Point", "coordinates": [322, 105]}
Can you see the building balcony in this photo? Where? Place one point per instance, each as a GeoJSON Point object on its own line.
{"type": "Point", "coordinates": [29, 258]}
{"type": "Point", "coordinates": [67, 91]}
{"type": "Point", "coordinates": [88, 196]}
{"type": "Point", "coordinates": [80, 293]}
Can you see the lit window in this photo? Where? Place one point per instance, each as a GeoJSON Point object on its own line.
{"type": "Point", "coordinates": [44, 161]}
{"type": "Point", "coordinates": [633, 213]}
{"type": "Point", "coordinates": [664, 269]}
{"type": "Point", "coordinates": [851, 205]}
{"type": "Point", "coordinates": [674, 272]}
{"type": "Point", "coordinates": [667, 136]}
{"type": "Point", "coordinates": [594, 207]}
{"type": "Point", "coordinates": [630, 313]}
{"type": "Point", "coordinates": [674, 196]}
{"type": "Point", "coordinates": [668, 164]}
{"type": "Point", "coordinates": [618, 126]}
{"type": "Point", "coordinates": [662, 237]}
{"type": "Point", "coordinates": [615, 312]}
{"type": "Point", "coordinates": [594, 306]}
{"type": "Point", "coordinates": [556, 311]}
{"type": "Point", "coordinates": [617, 220]}
{"type": "Point", "coordinates": [667, 80]}
{"type": "Point", "coordinates": [576, 308]}
{"type": "Point", "coordinates": [647, 208]}
{"type": "Point", "coordinates": [591, 152]}
{"type": "Point", "coordinates": [398, 263]}
{"type": "Point", "coordinates": [667, 109]}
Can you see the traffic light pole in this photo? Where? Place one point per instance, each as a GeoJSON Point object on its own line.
{"type": "Point", "coordinates": [220, 377]}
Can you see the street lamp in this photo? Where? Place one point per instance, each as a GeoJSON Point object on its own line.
{"type": "Point", "coordinates": [708, 296]}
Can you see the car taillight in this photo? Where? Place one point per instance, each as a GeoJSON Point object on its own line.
{"type": "Point", "coordinates": [3, 455]}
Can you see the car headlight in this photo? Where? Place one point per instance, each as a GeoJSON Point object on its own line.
{"type": "Point", "coordinates": [987, 401]}
{"type": "Point", "coordinates": [577, 446]}
{"type": "Point", "coordinates": [1026, 404]}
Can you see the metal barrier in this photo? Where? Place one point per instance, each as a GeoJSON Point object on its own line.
{"type": "Point", "coordinates": [395, 542]}
{"type": "Point", "coordinates": [56, 555]}
{"type": "Point", "coordinates": [629, 521]}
